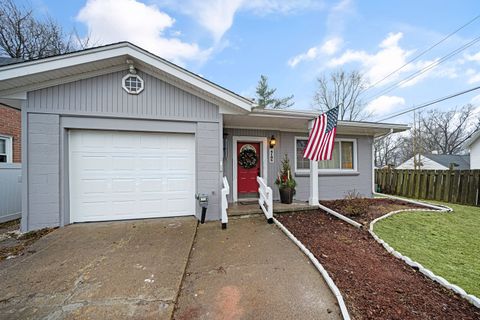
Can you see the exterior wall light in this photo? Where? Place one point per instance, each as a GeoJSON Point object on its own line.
{"type": "Point", "coordinates": [273, 141]}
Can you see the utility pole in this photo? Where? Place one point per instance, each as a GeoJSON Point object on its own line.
{"type": "Point", "coordinates": [415, 163]}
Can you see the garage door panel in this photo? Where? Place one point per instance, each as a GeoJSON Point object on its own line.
{"type": "Point", "coordinates": [123, 185]}
{"type": "Point", "coordinates": [94, 186]}
{"type": "Point", "coordinates": [123, 162]}
{"type": "Point", "coordinates": [152, 185]}
{"type": "Point", "coordinates": [151, 141]}
{"type": "Point", "coordinates": [133, 175]}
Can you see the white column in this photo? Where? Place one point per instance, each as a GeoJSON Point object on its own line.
{"type": "Point", "coordinates": [313, 198]}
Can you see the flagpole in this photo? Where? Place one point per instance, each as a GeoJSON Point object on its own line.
{"type": "Point", "coordinates": [313, 198]}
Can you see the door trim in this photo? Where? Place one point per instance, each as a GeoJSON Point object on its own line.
{"type": "Point", "coordinates": [263, 147]}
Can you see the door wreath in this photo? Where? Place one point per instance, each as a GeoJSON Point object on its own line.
{"type": "Point", "coordinates": [247, 158]}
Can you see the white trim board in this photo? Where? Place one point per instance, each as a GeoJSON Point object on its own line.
{"type": "Point", "coordinates": [264, 151]}
{"type": "Point", "coordinates": [8, 147]}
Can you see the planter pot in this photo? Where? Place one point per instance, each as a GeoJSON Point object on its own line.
{"type": "Point", "coordinates": [286, 195]}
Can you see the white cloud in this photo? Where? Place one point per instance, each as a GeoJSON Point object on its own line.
{"type": "Point", "coordinates": [473, 76]}
{"type": "Point", "coordinates": [476, 101]}
{"type": "Point", "coordinates": [384, 104]}
{"type": "Point", "coordinates": [473, 57]}
{"type": "Point", "coordinates": [377, 65]}
{"type": "Point", "coordinates": [329, 47]}
{"type": "Point", "coordinates": [145, 25]}
{"type": "Point", "coordinates": [217, 16]}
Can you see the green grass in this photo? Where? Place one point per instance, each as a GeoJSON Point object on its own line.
{"type": "Point", "coordinates": [446, 243]}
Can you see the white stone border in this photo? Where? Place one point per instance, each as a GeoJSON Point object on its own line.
{"type": "Point", "coordinates": [442, 281]}
{"type": "Point", "coordinates": [421, 203]}
{"type": "Point", "coordinates": [320, 268]}
{"type": "Point", "coordinates": [340, 216]}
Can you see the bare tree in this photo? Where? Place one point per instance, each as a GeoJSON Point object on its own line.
{"type": "Point", "coordinates": [447, 132]}
{"type": "Point", "coordinates": [341, 89]}
{"type": "Point", "coordinates": [24, 36]}
{"type": "Point", "coordinates": [387, 150]}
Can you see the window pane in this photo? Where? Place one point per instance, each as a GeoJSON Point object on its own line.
{"type": "Point", "coordinates": [335, 162]}
{"type": "Point", "coordinates": [347, 155]}
{"type": "Point", "coordinates": [302, 163]}
{"type": "Point", "coordinates": [3, 146]}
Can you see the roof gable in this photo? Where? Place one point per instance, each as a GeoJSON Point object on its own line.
{"type": "Point", "coordinates": [41, 73]}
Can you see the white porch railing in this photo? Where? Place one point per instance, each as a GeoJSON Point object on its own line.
{"type": "Point", "coordinates": [225, 192]}
{"type": "Point", "coordinates": [265, 199]}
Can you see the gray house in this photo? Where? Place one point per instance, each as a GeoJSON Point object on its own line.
{"type": "Point", "coordinates": [115, 132]}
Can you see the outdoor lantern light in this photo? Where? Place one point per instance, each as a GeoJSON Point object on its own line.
{"type": "Point", "coordinates": [273, 142]}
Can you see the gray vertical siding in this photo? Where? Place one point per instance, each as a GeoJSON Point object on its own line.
{"type": "Point", "coordinates": [101, 103]}
{"type": "Point", "coordinates": [330, 186]}
{"type": "Point", "coordinates": [43, 171]}
{"type": "Point", "coordinates": [103, 95]}
{"type": "Point", "coordinates": [10, 191]}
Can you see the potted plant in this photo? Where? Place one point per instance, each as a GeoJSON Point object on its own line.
{"type": "Point", "coordinates": [285, 182]}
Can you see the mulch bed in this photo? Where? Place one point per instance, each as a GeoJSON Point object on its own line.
{"type": "Point", "coordinates": [374, 284]}
{"type": "Point", "coordinates": [13, 244]}
{"type": "Point", "coordinates": [365, 210]}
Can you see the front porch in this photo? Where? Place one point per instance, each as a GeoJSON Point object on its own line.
{"type": "Point", "coordinates": [241, 208]}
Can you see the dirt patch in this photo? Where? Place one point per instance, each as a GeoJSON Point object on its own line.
{"type": "Point", "coordinates": [375, 285]}
{"type": "Point", "coordinates": [365, 210]}
{"type": "Point", "coordinates": [13, 243]}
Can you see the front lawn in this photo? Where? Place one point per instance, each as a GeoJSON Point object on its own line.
{"type": "Point", "coordinates": [446, 243]}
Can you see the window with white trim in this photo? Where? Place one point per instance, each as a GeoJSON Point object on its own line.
{"type": "Point", "coordinates": [343, 157]}
{"type": "Point", "coordinates": [5, 149]}
{"type": "Point", "coordinates": [132, 83]}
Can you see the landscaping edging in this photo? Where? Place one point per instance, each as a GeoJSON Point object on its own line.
{"type": "Point", "coordinates": [442, 281]}
{"type": "Point", "coordinates": [320, 268]}
{"type": "Point", "coordinates": [340, 216]}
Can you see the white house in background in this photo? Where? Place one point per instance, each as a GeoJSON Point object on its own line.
{"type": "Point", "coordinates": [438, 162]}
{"type": "Point", "coordinates": [474, 146]}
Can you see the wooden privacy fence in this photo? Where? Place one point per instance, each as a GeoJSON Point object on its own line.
{"type": "Point", "coordinates": [454, 186]}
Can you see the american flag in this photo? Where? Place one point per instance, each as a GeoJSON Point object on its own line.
{"type": "Point", "coordinates": [322, 136]}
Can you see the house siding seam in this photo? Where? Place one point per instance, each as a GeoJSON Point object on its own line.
{"type": "Point", "coordinates": [330, 186]}
{"type": "Point", "coordinates": [10, 125]}
{"type": "Point", "coordinates": [100, 100]}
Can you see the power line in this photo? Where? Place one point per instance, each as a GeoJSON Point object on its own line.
{"type": "Point", "coordinates": [422, 53]}
{"type": "Point", "coordinates": [430, 103]}
{"type": "Point", "coordinates": [425, 69]}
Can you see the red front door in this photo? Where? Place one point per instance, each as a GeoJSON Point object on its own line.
{"type": "Point", "coordinates": [248, 167]}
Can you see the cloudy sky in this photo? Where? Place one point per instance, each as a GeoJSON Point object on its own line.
{"type": "Point", "coordinates": [233, 42]}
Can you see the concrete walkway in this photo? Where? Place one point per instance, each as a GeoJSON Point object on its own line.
{"type": "Point", "coordinates": [114, 270]}
{"type": "Point", "coordinates": [251, 271]}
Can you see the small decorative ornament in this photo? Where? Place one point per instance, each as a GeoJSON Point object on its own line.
{"type": "Point", "coordinates": [247, 158]}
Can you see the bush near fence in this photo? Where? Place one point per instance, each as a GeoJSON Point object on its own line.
{"type": "Point", "coordinates": [454, 186]}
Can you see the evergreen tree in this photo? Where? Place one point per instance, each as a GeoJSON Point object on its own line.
{"type": "Point", "coordinates": [266, 96]}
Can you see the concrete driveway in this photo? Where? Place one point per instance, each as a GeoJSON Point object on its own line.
{"type": "Point", "coordinates": [164, 269]}
{"type": "Point", "coordinates": [113, 270]}
{"type": "Point", "coordinates": [251, 271]}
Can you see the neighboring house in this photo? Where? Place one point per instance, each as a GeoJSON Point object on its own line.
{"type": "Point", "coordinates": [115, 132]}
{"type": "Point", "coordinates": [474, 145]}
{"type": "Point", "coordinates": [438, 162]}
{"type": "Point", "coordinates": [10, 134]}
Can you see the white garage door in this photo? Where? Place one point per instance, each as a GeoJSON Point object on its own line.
{"type": "Point", "coordinates": [130, 175]}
